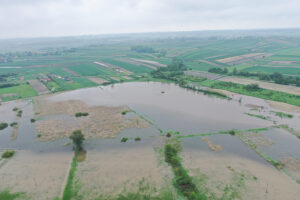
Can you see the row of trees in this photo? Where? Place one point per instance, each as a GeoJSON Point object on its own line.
{"type": "Point", "coordinates": [274, 77]}
{"type": "Point", "coordinates": [173, 72]}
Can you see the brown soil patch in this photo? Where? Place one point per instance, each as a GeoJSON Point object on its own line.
{"type": "Point", "coordinates": [150, 62]}
{"type": "Point", "coordinates": [14, 134]}
{"type": "Point", "coordinates": [115, 78]}
{"type": "Point", "coordinates": [291, 163]}
{"type": "Point", "coordinates": [71, 72]}
{"type": "Point", "coordinates": [97, 80]}
{"type": "Point", "coordinates": [81, 155]}
{"type": "Point", "coordinates": [113, 171]}
{"type": "Point", "coordinates": [284, 106]}
{"type": "Point", "coordinates": [222, 170]}
{"type": "Point", "coordinates": [243, 58]}
{"type": "Point", "coordinates": [40, 175]}
{"type": "Point", "coordinates": [102, 121]}
{"type": "Point", "coordinates": [207, 75]}
{"type": "Point", "coordinates": [211, 146]}
{"type": "Point", "coordinates": [266, 85]}
{"type": "Point", "coordinates": [137, 63]}
{"type": "Point", "coordinates": [253, 106]}
{"type": "Point", "coordinates": [39, 87]}
{"type": "Point", "coordinates": [127, 77]}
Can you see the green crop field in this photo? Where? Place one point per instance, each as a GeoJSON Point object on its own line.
{"type": "Point", "coordinates": [70, 66]}
{"type": "Point", "coordinates": [20, 91]}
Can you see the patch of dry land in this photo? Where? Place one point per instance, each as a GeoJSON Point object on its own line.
{"type": "Point", "coordinates": [235, 177]}
{"type": "Point", "coordinates": [266, 85]}
{"type": "Point", "coordinates": [116, 171]}
{"type": "Point", "coordinates": [71, 72]}
{"type": "Point", "coordinates": [243, 58]}
{"type": "Point", "coordinates": [39, 175]}
{"type": "Point", "coordinates": [97, 80]}
{"type": "Point", "coordinates": [39, 87]}
{"type": "Point", "coordinates": [284, 106]}
{"type": "Point", "coordinates": [101, 121]}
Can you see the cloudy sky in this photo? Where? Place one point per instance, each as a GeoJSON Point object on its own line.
{"type": "Point", "coordinates": [36, 18]}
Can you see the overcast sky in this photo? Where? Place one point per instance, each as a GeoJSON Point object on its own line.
{"type": "Point", "coordinates": [35, 18]}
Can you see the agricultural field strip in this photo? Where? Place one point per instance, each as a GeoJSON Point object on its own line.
{"type": "Point", "coordinates": [137, 63]}
{"type": "Point", "coordinates": [210, 63]}
{"type": "Point", "coordinates": [207, 75]}
{"type": "Point", "coordinates": [150, 62]}
{"type": "Point", "coordinates": [39, 87]}
{"type": "Point", "coordinates": [266, 85]}
{"type": "Point", "coordinates": [243, 58]}
{"type": "Point", "coordinates": [110, 66]}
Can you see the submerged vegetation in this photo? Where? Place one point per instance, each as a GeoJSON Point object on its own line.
{"type": "Point", "coordinates": [125, 112]}
{"type": "Point", "coordinates": [8, 154]}
{"type": "Point", "coordinates": [283, 115]}
{"type": "Point", "coordinates": [258, 116]}
{"type": "Point", "coordinates": [81, 114]}
{"type": "Point", "coordinates": [19, 114]}
{"type": "Point", "coordinates": [14, 124]}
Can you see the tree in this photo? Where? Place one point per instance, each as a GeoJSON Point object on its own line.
{"type": "Point", "coordinates": [234, 71]}
{"type": "Point", "coordinates": [77, 138]}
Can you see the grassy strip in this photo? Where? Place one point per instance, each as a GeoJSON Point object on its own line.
{"type": "Point", "coordinates": [260, 93]}
{"type": "Point", "coordinates": [276, 164]}
{"type": "Point", "coordinates": [7, 195]}
{"type": "Point", "coordinates": [68, 193]}
{"type": "Point", "coordinates": [258, 116]}
{"type": "Point", "coordinates": [228, 132]}
{"type": "Point", "coordinates": [283, 115]}
{"type": "Point", "coordinates": [183, 181]}
{"type": "Point", "coordinates": [206, 92]}
{"type": "Point", "coordinates": [290, 130]}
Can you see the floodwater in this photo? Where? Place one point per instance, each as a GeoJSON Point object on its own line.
{"type": "Point", "coordinates": [175, 109]}
{"type": "Point", "coordinates": [168, 106]}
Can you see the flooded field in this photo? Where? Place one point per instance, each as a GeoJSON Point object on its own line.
{"type": "Point", "coordinates": [233, 149]}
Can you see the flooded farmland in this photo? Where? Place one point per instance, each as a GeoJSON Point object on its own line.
{"type": "Point", "coordinates": [231, 149]}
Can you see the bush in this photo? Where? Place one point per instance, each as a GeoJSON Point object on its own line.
{"type": "Point", "coordinates": [8, 153]}
{"type": "Point", "coordinates": [3, 125]}
{"type": "Point", "coordinates": [15, 109]}
{"type": "Point", "coordinates": [137, 139]}
{"type": "Point", "coordinates": [125, 112]}
{"type": "Point", "coordinates": [32, 120]}
{"type": "Point", "coordinates": [80, 114]}
{"type": "Point", "coordinates": [124, 139]}
{"type": "Point", "coordinates": [232, 132]}
{"type": "Point", "coordinates": [20, 112]}
{"type": "Point", "coordinates": [77, 138]}
{"type": "Point", "coordinates": [168, 135]}
{"type": "Point", "coordinates": [252, 87]}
